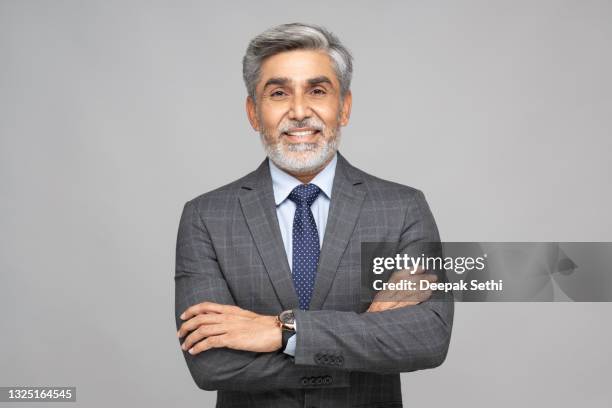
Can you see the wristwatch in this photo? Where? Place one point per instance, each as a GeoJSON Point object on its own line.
{"type": "Point", "coordinates": [286, 321]}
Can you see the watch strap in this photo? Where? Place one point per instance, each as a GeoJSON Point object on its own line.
{"type": "Point", "coordinates": [286, 336]}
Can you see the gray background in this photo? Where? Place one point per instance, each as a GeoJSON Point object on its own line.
{"type": "Point", "coordinates": [114, 113]}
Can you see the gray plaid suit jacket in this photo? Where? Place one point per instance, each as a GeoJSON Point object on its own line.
{"type": "Point", "coordinates": [229, 250]}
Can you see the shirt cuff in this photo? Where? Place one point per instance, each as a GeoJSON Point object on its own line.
{"type": "Point", "coordinates": [290, 349]}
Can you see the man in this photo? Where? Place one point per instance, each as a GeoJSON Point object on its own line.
{"type": "Point", "coordinates": [268, 281]}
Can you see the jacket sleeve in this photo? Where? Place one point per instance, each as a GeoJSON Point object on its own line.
{"type": "Point", "coordinates": [398, 340]}
{"type": "Point", "coordinates": [198, 278]}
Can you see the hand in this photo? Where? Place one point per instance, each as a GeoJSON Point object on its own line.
{"type": "Point", "coordinates": [213, 325]}
{"type": "Point", "coordinates": [393, 299]}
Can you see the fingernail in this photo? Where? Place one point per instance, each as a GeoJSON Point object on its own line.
{"type": "Point", "coordinates": [183, 346]}
{"type": "Point", "coordinates": [178, 334]}
{"type": "Point", "coordinates": [183, 316]}
{"type": "Point", "coordinates": [191, 350]}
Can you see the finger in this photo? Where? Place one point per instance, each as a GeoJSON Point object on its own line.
{"type": "Point", "coordinates": [406, 274]}
{"type": "Point", "coordinates": [211, 307]}
{"type": "Point", "coordinates": [418, 295]}
{"type": "Point", "coordinates": [387, 306]}
{"type": "Point", "coordinates": [389, 296]}
{"type": "Point", "coordinates": [203, 332]}
{"type": "Point", "coordinates": [378, 298]}
{"type": "Point", "coordinates": [417, 271]}
{"type": "Point", "coordinates": [431, 277]}
{"type": "Point", "coordinates": [200, 320]}
{"type": "Point", "coordinates": [229, 309]}
{"type": "Point", "coordinates": [423, 295]}
{"type": "Point", "coordinates": [196, 309]}
{"type": "Point", "coordinates": [397, 305]}
{"type": "Point", "coordinates": [382, 306]}
{"type": "Point", "coordinates": [400, 275]}
{"type": "Point", "coordinates": [413, 295]}
{"type": "Point", "coordinates": [208, 343]}
{"type": "Point", "coordinates": [404, 304]}
{"type": "Point", "coordinates": [374, 305]}
{"type": "Point", "coordinates": [372, 308]}
{"type": "Point", "coordinates": [383, 296]}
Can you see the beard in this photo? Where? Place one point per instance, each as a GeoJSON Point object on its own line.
{"type": "Point", "coordinates": [300, 158]}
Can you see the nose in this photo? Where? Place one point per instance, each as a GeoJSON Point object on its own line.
{"type": "Point", "coordinates": [299, 108]}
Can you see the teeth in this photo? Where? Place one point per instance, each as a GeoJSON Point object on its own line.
{"type": "Point", "coordinates": [303, 133]}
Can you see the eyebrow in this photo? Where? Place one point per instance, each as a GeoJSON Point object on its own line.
{"type": "Point", "coordinates": [319, 80]}
{"type": "Point", "coordinates": [282, 81]}
{"type": "Point", "coordinates": [276, 81]}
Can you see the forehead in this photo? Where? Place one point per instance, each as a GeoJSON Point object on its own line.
{"type": "Point", "coordinates": [298, 66]}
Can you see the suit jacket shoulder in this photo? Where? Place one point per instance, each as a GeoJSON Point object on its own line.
{"type": "Point", "coordinates": [377, 184]}
{"type": "Point", "coordinates": [223, 198]}
{"type": "Point", "coordinates": [385, 191]}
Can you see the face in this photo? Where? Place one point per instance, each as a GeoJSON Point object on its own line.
{"type": "Point", "coordinates": [298, 110]}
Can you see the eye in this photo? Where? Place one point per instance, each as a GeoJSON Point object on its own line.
{"type": "Point", "coordinates": [319, 91]}
{"type": "Point", "coordinates": [277, 93]}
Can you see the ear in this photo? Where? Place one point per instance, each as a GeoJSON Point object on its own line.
{"type": "Point", "coordinates": [252, 113]}
{"type": "Point", "coordinates": [346, 108]}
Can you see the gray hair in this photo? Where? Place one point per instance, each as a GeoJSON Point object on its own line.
{"type": "Point", "coordinates": [295, 36]}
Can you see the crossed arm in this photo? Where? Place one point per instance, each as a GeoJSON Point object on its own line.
{"type": "Point", "coordinates": [227, 347]}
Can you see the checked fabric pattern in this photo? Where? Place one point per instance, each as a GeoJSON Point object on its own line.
{"type": "Point", "coordinates": [306, 247]}
{"type": "Point", "coordinates": [230, 250]}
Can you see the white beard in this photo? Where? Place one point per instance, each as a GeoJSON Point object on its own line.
{"type": "Point", "coordinates": [301, 158]}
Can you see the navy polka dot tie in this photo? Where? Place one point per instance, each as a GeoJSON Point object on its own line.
{"type": "Point", "coordinates": [305, 242]}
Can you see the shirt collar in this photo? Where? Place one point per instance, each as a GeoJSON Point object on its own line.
{"type": "Point", "coordinates": [283, 183]}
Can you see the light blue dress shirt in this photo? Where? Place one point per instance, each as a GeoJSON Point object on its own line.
{"type": "Point", "coordinates": [283, 183]}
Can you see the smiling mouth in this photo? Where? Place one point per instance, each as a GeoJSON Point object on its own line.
{"type": "Point", "coordinates": [301, 132]}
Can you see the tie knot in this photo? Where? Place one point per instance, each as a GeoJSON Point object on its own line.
{"type": "Point", "coordinates": [305, 194]}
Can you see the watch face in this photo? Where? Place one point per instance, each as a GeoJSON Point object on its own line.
{"type": "Point", "coordinates": [287, 317]}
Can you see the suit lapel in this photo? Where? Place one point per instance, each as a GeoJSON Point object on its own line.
{"type": "Point", "coordinates": [257, 201]}
{"type": "Point", "coordinates": [344, 212]}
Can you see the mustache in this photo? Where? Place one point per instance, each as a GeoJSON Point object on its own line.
{"type": "Point", "coordinates": [304, 123]}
